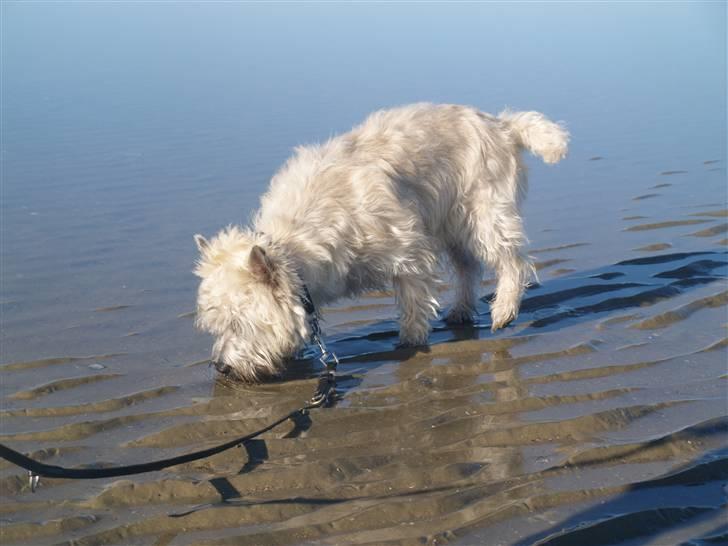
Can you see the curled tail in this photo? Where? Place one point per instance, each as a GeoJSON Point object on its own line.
{"type": "Point", "coordinates": [536, 133]}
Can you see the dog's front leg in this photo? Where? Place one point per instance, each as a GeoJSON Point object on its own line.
{"type": "Point", "coordinates": [417, 306]}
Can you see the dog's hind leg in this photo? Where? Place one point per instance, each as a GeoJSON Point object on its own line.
{"type": "Point", "coordinates": [417, 305]}
{"type": "Point", "coordinates": [468, 272]}
{"type": "Point", "coordinates": [500, 239]}
{"type": "Point", "coordinates": [514, 273]}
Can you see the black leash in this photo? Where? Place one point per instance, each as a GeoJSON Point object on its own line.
{"type": "Point", "coordinates": [36, 469]}
{"type": "Point", "coordinates": [324, 395]}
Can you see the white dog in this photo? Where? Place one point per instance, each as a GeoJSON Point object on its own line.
{"type": "Point", "coordinates": [378, 205]}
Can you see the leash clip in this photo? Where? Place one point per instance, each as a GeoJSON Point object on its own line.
{"type": "Point", "coordinates": [326, 388]}
{"type": "Point", "coordinates": [33, 480]}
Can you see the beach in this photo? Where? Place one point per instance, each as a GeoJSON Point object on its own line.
{"type": "Point", "coordinates": [600, 416]}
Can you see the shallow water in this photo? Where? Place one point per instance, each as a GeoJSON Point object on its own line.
{"type": "Point", "coordinates": [598, 417]}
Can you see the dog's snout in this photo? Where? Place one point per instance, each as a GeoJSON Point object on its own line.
{"type": "Point", "coordinates": [221, 367]}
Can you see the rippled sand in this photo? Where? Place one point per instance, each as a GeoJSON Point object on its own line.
{"type": "Point", "coordinates": [599, 416]}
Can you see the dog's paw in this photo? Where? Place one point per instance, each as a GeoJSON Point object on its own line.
{"type": "Point", "coordinates": [459, 315]}
{"type": "Point", "coordinates": [502, 316]}
{"type": "Point", "coordinates": [412, 339]}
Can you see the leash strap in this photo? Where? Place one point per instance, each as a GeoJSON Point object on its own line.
{"type": "Point", "coordinates": [36, 468]}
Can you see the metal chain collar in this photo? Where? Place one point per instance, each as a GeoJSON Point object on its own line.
{"type": "Point", "coordinates": [326, 389]}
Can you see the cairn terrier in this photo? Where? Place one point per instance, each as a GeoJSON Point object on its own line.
{"type": "Point", "coordinates": [375, 207]}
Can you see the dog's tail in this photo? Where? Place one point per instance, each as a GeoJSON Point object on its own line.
{"type": "Point", "coordinates": [539, 135]}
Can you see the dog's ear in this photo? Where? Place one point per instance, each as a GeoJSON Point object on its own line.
{"type": "Point", "coordinates": [260, 265]}
{"type": "Point", "coordinates": [202, 244]}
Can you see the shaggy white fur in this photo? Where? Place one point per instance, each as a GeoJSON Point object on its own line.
{"type": "Point", "coordinates": [377, 206]}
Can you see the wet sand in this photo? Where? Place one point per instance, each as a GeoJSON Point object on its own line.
{"type": "Point", "coordinates": [598, 417]}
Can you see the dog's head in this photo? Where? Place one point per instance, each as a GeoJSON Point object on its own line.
{"type": "Point", "coordinates": [249, 300]}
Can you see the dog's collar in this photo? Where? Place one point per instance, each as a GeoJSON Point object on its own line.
{"type": "Point", "coordinates": [307, 301]}
{"type": "Point", "coordinates": [311, 314]}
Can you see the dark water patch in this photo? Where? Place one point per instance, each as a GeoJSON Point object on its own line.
{"type": "Point", "coordinates": [596, 158]}
{"type": "Point", "coordinates": [670, 173]}
{"type": "Point", "coordinates": [640, 299]}
{"type": "Point", "coordinates": [636, 217]}
{"type": "Point", "coordinates": [695, 269]}
{"type": "Point", "coordinates": [534, 303]}
{"type": "Point", "coordinates": [692, 474]}
{"type": "Point", "coordinates": [696, 281]}
{"type": "Point", "coordinates": [711, 161]}
{"type": "Point", "coordinates": [562, 271]}
{"type": "Point", "coordinates": [663, 258]}
{"type": "Point", "coordinates": [111, 308]}
{"type": "Point", "coordinates": [608, 276]}
{"type": "Point", "coordinates": [664, 225]}
{"type": "Point", "coordinates": [645, 196]}
{"type": "Point", "coordinates": [663, 185]}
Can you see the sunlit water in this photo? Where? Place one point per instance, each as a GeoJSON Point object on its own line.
{"type": "Point", "coordinates": [127, 128]}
